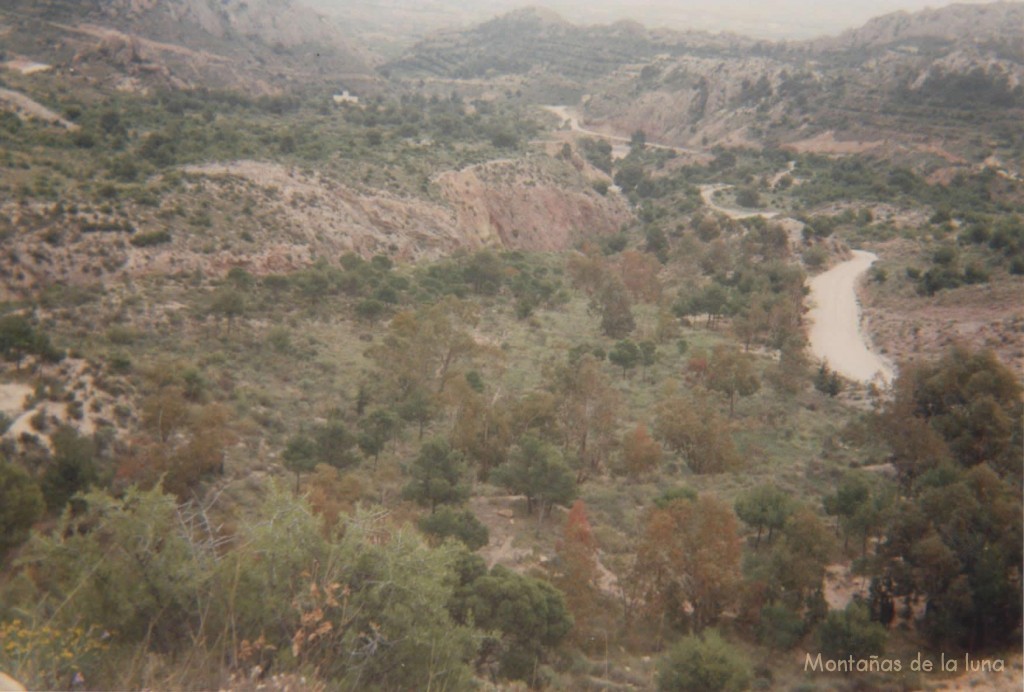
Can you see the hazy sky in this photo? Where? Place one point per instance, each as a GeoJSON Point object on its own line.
{"type": "Point", "coordinates": [774, 19]}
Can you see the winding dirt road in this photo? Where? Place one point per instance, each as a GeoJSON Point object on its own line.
{"type": "Point", "coordinates": [570, 114]}
{"type": "Point", "coordinates": [707, 193]}
{"type": "Point", "coordinates": [835, 332]}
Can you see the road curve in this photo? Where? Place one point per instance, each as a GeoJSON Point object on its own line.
{"type": "Point", "coordinates": [570, 114]}
{"type": "Point", "coordinates": [707, 193]}
{"type": "Point", "coordinates": [835, 332]}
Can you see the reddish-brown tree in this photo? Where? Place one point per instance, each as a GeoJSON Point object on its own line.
{"type": "Point", "coordinates": [640, 452]}
{"type": "Point", "coordinates": [687, 567]}
{"type": "Point", "coordinates": [577, 576]}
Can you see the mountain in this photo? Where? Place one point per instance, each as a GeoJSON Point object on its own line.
{"type": "Point", "coordinates": [535, 39]}
{"type": "Point", "coordinates": [902, 81]}
{"type": "Point", "coordinates": [254, 45]}
{"type": "Point", "coordinates": [998, 22]}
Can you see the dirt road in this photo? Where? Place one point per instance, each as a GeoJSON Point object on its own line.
{"type": "Point", "coordinates": [707, 193]}
{"type": "Point", "coordinates": [570, 114]}
{"type": "Point", "coordinates": [835, 333]}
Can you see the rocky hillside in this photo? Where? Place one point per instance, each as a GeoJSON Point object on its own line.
{"type": "Point", "coordinates": [269, 218]}
{"type": "Point", "coordinates": [998, 22]}
{"type": "Point", "coordinates": [538, 204]}
{"type": "Point", "coordinates": [256, 45]}
{"type": "Point", "coordinates": [943, 84]}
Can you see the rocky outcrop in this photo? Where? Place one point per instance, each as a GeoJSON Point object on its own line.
{"type": "Point", "coordinates": [537, 204]}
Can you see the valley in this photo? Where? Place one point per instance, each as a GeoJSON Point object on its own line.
{"type": "Point", "coordinates": [342, 360]}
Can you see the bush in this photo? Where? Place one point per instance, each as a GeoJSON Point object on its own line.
{"type": "Point", "coordinates": [463, 526]}
{"type": "Point", "coordinates": [779, 627]}
{"type": "Point", "coordinates": [21, 504]}
{"type": "Point", "coordinates": [73, 469]}
{"type": "Point", "coordinates": [150, 239]}
{"type": "Point", "coordinates": [851, 633]}
{"type": "Point", "coordinates": [827, 381]}
{"type": "Point", "coordinates": [705, 662]}
{"type": "Point", "coordinates": [815, 257]}
{"type": "Point", "coordinates": [748, 197]}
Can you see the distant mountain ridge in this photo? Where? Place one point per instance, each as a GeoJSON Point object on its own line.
{"type": "Point", "coordinates": [955, 74]}
{"type": "Point", "coordinates": [536, 38]}
{"type": "Point", "coordinates": [990, 23]}
{"type": "Point", "coordinates": [249, 44]}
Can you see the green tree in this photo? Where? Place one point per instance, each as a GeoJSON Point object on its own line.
{"type": "Point", "coordinates": [228, 303]}
{"type": "Point", "coordinates": [377, 617]}
{"type": "Point", "coordinates": [766, 506]}
{"type": "Point", "coordinates": [536, 469]}
{"type": "Point", "coordinates": [732, 372]}
{"type": "Point", "coordinates": [426, 348]}
{"type": "Point", "coordinates": [714, 300]}
{"type": "Point", "coordinates": [462, 525]}
{"type": "Point", "coordinates": [300, 456]}
{"type": "Point", "coordinates": [860, 504]}
{"type": "Point", "coordinates": [704, 662]}
{"type": "Point", "coordinates": [484, 272]}
{"type": "Point", "coordinates": [958, 541]}
{"type": "Point", "coordinates": [18, 339]}
{"type": "Point", "coordinates": [780, 627]}
{"type": "Point", "coordinates": [530, 614]}
{"type": "Point", "coordinates": [851, 633]}
{"type": "Point", "coordinates": [793, 573]}
{"type": "Point", "coordinates": [973, 401]}
{"type": "Point", "coordinates": [748, 197]}
{"type": "Point", "coordinates": [827, 380]}
{"type": "Point", "coordinates": [334, 444]}
{"type": "Point", "coordinates": [437, 476]}
{"type": "Point", "coordinates": [73, 469]}
{"type": "Point", "coordinates": [135, 572]}
{"type": "Point", "coordinates": [648, 355]}
{"type": "Point", "coordinates": [637, 141]}
{"type": "Point", "coordinates": [612, 302]}
{"type": "Point", "coordinates": [626, 354]}
{"type": "Point", "coordinates": [375, 430]}
{"type": "Point", "coordinates": [418, 407]}
{"type": "Point", "coordinates": [587, 409]}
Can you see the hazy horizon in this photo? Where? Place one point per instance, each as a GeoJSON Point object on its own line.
{"type": "Point", "coordinates": [770, 19]}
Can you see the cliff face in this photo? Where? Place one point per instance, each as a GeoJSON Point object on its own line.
{"type": "Point", "coordinates": [529, 205]}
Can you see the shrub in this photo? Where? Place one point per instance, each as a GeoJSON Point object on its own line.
{"type": "Point", "coordinates": [463, 526]}
{"type": "Point", "coordinates": [851, 633]}
{"type": "Point", "coordinates": [21, 504]}
{"type": "Point", "coordinates": [779, 627]}
{"type": "Point", "coordinates": [706, 662]}
{"type": "Point", "coordinates": [151, 238]}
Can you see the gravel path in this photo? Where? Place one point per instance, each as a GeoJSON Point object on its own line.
{"type": "Point", "coordinates": [835, 333]}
